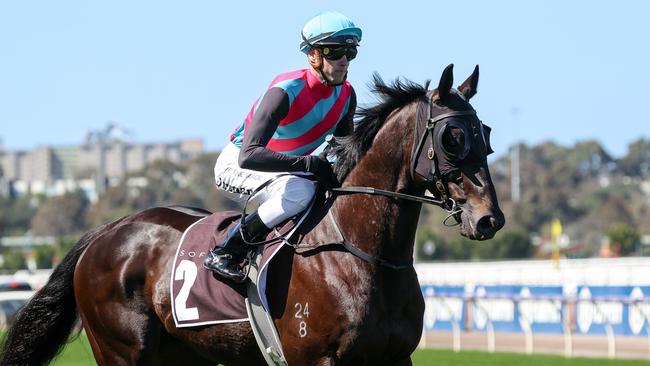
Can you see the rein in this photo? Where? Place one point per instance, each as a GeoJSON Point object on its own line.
{"type": "Point", "coordinates": [365, 256]}
{"type": "Point", "coordinates": [449, 205]}
{"type": "Point", "coordinates": [347, 245]}
{"type": "Point", "coordinates": [381, 192]}
{"type": "Point", "coordinates": [433, 178]}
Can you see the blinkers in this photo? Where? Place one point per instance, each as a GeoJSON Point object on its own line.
{"type": "Point", "coordinates": [443, 141]}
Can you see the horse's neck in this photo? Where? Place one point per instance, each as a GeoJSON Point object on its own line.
{"type": "Point", "coordinates": [381, 225]}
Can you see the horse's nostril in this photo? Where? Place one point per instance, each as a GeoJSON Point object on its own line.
{"type": "Point", "coordinates": [487, 225]}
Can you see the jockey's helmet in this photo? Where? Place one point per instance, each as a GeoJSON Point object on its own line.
{"type": "Point", "coordinates": [329, 28]}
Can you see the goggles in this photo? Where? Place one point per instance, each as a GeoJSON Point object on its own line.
{"type": "Point", "coordinates": [334, 53]}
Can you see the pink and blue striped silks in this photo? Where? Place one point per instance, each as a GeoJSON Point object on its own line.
{"type": "Point", "coordinates": [315, 109]}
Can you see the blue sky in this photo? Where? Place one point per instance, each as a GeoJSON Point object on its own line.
{"type": "Point", "coordinates": [550, 70]}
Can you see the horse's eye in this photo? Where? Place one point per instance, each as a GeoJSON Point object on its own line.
{"type": "Point", "coordinates": [454, 142]}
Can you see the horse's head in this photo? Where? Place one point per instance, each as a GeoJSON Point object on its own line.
{"type": "Point", "coordinates": [450, 157]}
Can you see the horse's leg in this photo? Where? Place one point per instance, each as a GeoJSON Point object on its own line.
{"type": "Point", "coordinates": [115, 343]}
{"type": "Point", "coordinates": [142, 342]}
{"type": "Point", "coordinates": [171, 352]}
{"type": "Point", "coordinates": [404, 362]}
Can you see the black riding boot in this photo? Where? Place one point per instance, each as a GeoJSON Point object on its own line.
{"type": "Point", "coordinates": [226, 259]}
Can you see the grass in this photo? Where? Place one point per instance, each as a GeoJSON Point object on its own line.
{"type": "Point", "coordinates": [78, 353]}
{"type": "Point", "coordinates": [475, 358]}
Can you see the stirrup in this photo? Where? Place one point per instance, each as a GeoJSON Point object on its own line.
{"type": "Point", "coordinates": [215, 256]}
{"type": "Point", "coordinates": [232, 267]}
{"type": "Point", "coordinates": [237, 276]}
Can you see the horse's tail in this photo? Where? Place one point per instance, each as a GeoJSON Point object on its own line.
{"type": "Point", "coordinates": [45, 323]}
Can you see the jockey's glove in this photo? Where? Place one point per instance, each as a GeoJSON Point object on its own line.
{"type": "Point", "coordinates": [322, 169]}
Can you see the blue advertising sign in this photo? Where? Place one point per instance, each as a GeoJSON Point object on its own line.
{"type": "Point", "coordinates": [541, 308]}
{"type": "Point", "coordinates": [518, 308]}
{"type": "Point", "coordinates": [444, 305]}
{"type": "Point", "coordinates": [599, 307]}
{"type": "Point", "coordinates": [638, 314]}
{"type": "Point", "coordinates": [624, 310]}
{"type": "Point", "coordinates": [494, 306]}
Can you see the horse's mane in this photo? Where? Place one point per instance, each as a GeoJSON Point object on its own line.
{"type": "Point", "coordinates": [348, 150]}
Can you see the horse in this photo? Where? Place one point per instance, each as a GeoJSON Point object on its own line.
{"type": "Point", "coordinates": [354, 305]}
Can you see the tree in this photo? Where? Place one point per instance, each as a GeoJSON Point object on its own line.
{"type": "Point", "coordinates": [614, 212]}
{"type": "Point", "coordinates": [63, 246]}
{"type": "Point", "coordinates": [431, 246]}
{"type": "Point", "coordinates": [185, 197]}
{"type": "Point", "coordinates": [44, 256]}
{"type": "Point", "coordinates": [514, 244]}
{"type": "Point", "coordinates": [623, 239]}
{"type": "Point", "coordinates": [200, 175]}
{"type": "Point", "coordinates": [588, 158]}
{"type": "Point", "coordinates": [18, 214]}
{"type": "Point", "coordinates": [13, 260]}
{"type": "Point", "coordinates": [510, 244]}
{"type": "Point", "coordinates": [150, 187]}
{"type": "Point", "coordinates": [547, 181]}
{"type": "Point", "coordinates": [112, 204]}
{"type": "Point", "coordinates": [62, 215]}
{"type": "Point", "coordinates": [637, 161]}
{"type": "Point", "coordinates": [4, 207]}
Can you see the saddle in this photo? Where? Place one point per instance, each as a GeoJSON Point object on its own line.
{"type": "Point", "coordinates": [200, 297]}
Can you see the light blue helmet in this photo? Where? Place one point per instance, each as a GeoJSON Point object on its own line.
{"type": "Point", "coordinates": [330, 27]}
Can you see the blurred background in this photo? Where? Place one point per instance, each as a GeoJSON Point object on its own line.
{"type": "Point", "coordinates": [110, 108]}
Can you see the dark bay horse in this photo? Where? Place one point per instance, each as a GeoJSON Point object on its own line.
{"type": "Point", "coordinates": [337, 309]}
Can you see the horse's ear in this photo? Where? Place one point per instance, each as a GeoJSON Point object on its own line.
{"type": "Point", "coordinates": [469, 86]}
{"type": "Point", "coordinates": [446, 81]}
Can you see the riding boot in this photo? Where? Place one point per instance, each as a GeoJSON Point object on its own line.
{"type": "Point", "coordinates": [226, 259]}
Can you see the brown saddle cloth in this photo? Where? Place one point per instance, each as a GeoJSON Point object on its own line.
{"type": "Point", "coordinates": [199, 297]}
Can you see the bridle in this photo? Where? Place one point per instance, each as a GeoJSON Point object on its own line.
{"type": "Point", "coordinates": [432, 177]}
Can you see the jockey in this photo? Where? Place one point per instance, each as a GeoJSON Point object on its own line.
{"type": "Point", "coordinates": [284, 126]}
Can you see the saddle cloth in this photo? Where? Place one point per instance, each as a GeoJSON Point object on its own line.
{"type": "Point", "coordinates": [199, 297]}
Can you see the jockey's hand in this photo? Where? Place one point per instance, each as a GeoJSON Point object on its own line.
{"type": "Point", "coordinates": [322, 169]}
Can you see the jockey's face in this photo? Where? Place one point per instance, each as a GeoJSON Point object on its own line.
{"type": "Point", "coordinates": [334, 70]}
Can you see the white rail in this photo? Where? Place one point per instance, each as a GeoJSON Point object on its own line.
{"type": "Point", "coordinates": [566, 311]}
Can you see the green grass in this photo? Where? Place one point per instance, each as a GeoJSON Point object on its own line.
{"type": "Point", "coordinates": [78, 353]}
{"type": "Point", "coordinates": [475, 358]}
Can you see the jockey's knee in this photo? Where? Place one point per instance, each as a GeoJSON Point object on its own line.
{"type": "Point", "coordinates": [290, 196]}
{"type": "Point", "coordinates": [298, 194]}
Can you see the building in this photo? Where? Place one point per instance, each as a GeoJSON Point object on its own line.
{"type": "Point", "coordinates": [102, 158]}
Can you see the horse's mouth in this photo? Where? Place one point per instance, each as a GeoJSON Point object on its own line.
{"type": "Point", "coordinates": [471, 230]}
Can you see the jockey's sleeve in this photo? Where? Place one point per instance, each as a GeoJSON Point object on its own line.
{"type": "Point", "coordinates": [346, 126]}
{"type": "Point", "coordinates": [254, 154]}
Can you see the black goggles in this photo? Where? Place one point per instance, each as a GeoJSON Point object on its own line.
{"type": "Point", "coordinates": [336, 52]}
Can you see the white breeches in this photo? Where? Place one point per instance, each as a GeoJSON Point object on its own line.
{"type": "Point", "coordinates": [285, 197]}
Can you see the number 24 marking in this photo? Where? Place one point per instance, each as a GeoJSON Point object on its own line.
{"type": "Point", "coordinates": [300, 311]}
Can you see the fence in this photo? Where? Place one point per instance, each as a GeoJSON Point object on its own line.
{"type": "Point", "coordinates": [592, 310]}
